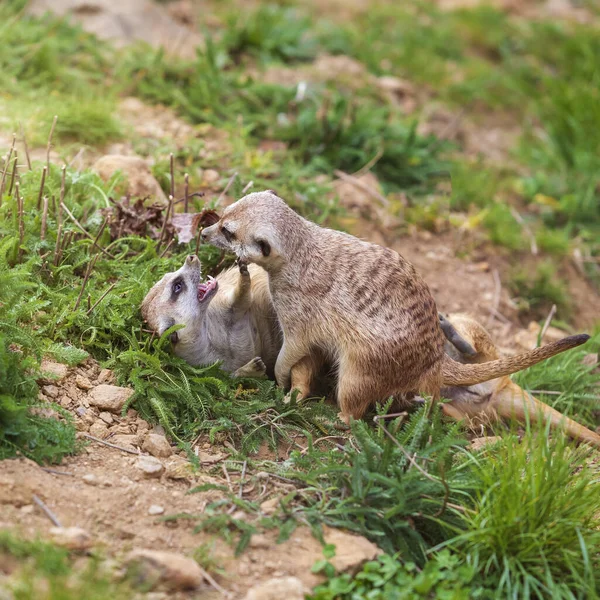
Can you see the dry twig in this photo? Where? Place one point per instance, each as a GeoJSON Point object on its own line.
{"type": "Point", "coordinates": [88, 272]}
{"type": "Point", "coordinates": [95, 439]}
{"type": "Point", "coordinates": [112, 285]}
{"type": "Point", "coordinates": [47, 511]}
{"type": "Point", "coordinates": [84, 231]}
{"type": "Point", "coordinates": [49, 146]}
{"type": "Point", "coordinates": [44, 219]}
{"type": "Point", "coordinates": [547, 324]}
{"type": "Point", "coordinates": [24, 140]}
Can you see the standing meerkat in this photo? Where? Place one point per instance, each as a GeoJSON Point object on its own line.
{"type": "Point", "coordinates": [357, 305]}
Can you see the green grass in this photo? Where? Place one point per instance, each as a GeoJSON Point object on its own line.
{"type": "Point", "coordinates": [47, 572]}
{"type": "Point", "coordinates": [534, 525]}
{"type": "Point", "coordinates": [535, 292]}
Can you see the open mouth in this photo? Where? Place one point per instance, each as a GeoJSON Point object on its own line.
{"type": "Point", "coordinates": [205, 290]}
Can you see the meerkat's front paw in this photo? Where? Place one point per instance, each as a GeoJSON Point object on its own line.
{"type": "Point", "coordinates": [255, 368]}
{"type": "Point", "coordinates": [242, 266]}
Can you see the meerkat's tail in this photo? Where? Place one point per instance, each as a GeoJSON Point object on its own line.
{"type": "Point", "coordinates": [455, 373]}
{"type": "Point", "coordinates": [514, 402]}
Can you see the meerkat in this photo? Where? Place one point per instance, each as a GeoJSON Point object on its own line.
{"type": "Point", "coordinates": [499, 398]}
{"type": "Point", "coordinates": [229, 318]}
{"type": "Point", "coordinates": [360, 306]}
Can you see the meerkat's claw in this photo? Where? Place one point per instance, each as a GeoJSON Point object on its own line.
{"type": "Point", "coordinates": [242, 266]}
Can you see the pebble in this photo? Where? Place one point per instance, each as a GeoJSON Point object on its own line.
{"type": "Point", "coordinates": [106, 417]}
{"type": "Point", "coordinates": [176, 571]}
{"type": "Point", "coordinates": [72, 538]}
{"type": "Point", "coordinates": [157, 445]}
{"type": "Point", "coordinates": [91, 479]}
{"type": "Point", "coordinates": [150, 466]}
{"type": "Point", "coordinates": [83, 382]}
{"type": "Point", "coordinates": [51, 390]}
{"type": "Point", "coordinates": [290, 588]}
{"type": "Point", "coordinates": [99, 430]}
{"type": "Point", "coordinates": [155, 509]}
{"type": "Point", "coordinates": [109, 397]}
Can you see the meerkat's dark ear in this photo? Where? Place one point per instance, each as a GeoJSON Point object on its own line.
{"type": "Point", "coordinates": [208, 217]}
{"type": "Point", "coordinates": [264, 246]}
{"type": "Point", "coordinates": [272, 192]}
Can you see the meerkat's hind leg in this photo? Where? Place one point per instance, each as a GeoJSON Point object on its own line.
{"type": "Point", "coordinates": [302, 376]}
{"type": "Point", "coordinates": [254, 368]}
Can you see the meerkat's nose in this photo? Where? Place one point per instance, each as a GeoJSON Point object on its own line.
{"type": "Point", "coordinates": [191, 259]}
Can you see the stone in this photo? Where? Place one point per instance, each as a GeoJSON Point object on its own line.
{"type": "Point", "coordinates": [483, 442]}
{"type": "Point", "coordinates": [106, 417]}
{"type": "Point", "coordinates": [157, 445]}
{"type": "Point", "coordinates": [109, 397]}
{"type": "Point", "coordinates": [270, 506]}
{"type": "Point", "coordinates": [154, 567]}
{"type": "Point", "coordinates": [155, 509]}
{"type": "Point", "coordinates": [208, 458]}
{"type": "Point", "coordinates": [278, 588]}
{"type": "Point", "coordinates": [83, 383]}
{"type": "Point", "coordinates": [140, 181]}
{"type": "Point", "coordinates": [91, 479]}
{"type": "Point", "coordinates": [179, 468]}
{"type": "Point", "coordinates": [351, 551]}
{"type": "Point", "coordinates": [127, 441]}
{"type": "Point", "coordinates": [52, 372]}
{"type": "Point", "coordinates": [104, 376]}
{"type": "Point", "coordinates": [99, 430]}
{"type": "Point", "coordinates": [210, 176]}
{"type": "Point", "coordinates": [51, 391]}
{"type": "Point", "coordinates": [72, 538]}
{"type": "Point", "coordinates": [150, 466]}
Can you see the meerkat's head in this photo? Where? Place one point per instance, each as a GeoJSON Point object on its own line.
{"type": "Point", "coordinates": [258, 228]}
{"type": "Point", "coordinates": [179, 298]}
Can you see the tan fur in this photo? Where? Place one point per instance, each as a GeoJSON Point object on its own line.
{"type": "Point", "coordinates": [500, 398]}
{"type": "Point", "coordinates": [362, 306]}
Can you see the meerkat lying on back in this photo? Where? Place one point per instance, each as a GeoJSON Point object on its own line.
{"type": "Point", "coordinates": [359, 306]}
{"type": "Point", "coordinates": [229, 319]}
{"type": "Point", "coordinates": [491, 400]}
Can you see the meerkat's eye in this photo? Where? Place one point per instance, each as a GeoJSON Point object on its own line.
{"type": "Point", "coordinates": [229, 235]}
{"type": "Point", "coordinates": [177, 286]}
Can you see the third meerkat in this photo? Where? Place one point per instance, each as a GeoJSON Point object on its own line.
{"type": "Point", "coordinates": [360, 306]}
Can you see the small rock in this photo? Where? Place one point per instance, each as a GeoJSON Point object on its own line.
{"type": "Point", "coordinates": [99, 430]}
{"type": "Point", "coordinates": [150, 466]}
{"type": "Point", "coordinates": [140, 181]}
{"type": "Point", "coordinates": [110, 397]}
{"type": "Point", "coordinates": [142, 425]}
{"type": "Point", "coordinates": [27, 509]}
{"type": "Point", "coordinates": [51, 391]}
{"type": "Point", "coordinates": [179, 468]}
{"type": "Point", "coordinates": [176, 571]}
{"type": "Point", "coordinates": [351, 551]}
{"type": "Point", "coordinates": [206, 458]}
{"type": "Point", "coordinates": [268, 507]}
{"type": "Point", "coordinates": [65, 401]}
{"type": "Point", "coordinates": [157, 445]}
{"type": "Point", "coordinates": [210, 176]}
{"type": "Point", "coordinates": [128, 441]}
{"type": "Point", "coordinates": [591, 360]}
{"type": "Point", "coordinates": [483, 442]}
{"type": "Point", "coordinates": [260, 540]}
{"type": "Point", "coordinates": [83, 382]}
{"type": "Point", "coordinates": [106, 417]}
{"type": "Point", "coordinates": [81, 411]}
{"type": "Point", "coordinates": [105, 375]}
{"type": "Point", "coordinates": [72, 538]}
{"type": "Point", "coordinates": [290, 588]}
{"type": "Point", "coordinates": [52, 372]}
{"type": "Point", "coordinates": [91, 479]}
{"type": "Point", "coordinates": [156, 510]}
